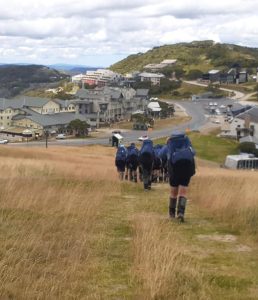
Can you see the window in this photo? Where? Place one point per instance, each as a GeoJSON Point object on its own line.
{"type": "Point", "coordinates": [7, 117]}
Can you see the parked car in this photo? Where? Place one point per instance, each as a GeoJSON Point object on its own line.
{"type": "Point", "coordinates": [61, 136]}
{"type": "Point", "coordinates": [3, 141]}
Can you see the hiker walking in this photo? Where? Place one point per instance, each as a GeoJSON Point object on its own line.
{"type": "Point", "coordinates": [164, 165]}
{"type": "Point", "coordinates": [157, 165]}
{"type": "Point", "coordinates": [146, 159]}
{"type": "Point", "coordinates": [120, 161]}
{"type": "Point", "coordinates": [132, 162]}
{"type": "Point", "coordinates": [181, 167]}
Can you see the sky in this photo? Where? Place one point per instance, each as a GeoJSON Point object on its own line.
{"type": "Point", "coordinates": [102, 32]}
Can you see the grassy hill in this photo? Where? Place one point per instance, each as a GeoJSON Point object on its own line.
{"type": "Point", "coordinates": [16, 78]}
{"type": "Point", "coordinates": [69, 229]}
{"type": "Point", "coordinates": [201, 55]}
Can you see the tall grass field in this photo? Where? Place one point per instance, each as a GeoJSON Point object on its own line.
{"type": "Point", "coordinates": [69, 229]}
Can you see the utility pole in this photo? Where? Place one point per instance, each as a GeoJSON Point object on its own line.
{"type": "Point", "coordinates": [46, 134]}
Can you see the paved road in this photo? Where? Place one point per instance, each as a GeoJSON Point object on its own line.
{"type": "Point", "coordinates": [195, 109]}
{"type": "Point", "coordinates": [237, 95]}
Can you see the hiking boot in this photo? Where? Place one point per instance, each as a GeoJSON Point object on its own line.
{"type": "Point", "coordinates": [181, 208]}
{"type": "Point", "coordinates": [172, 207]}
{"type": "Point", "coordinates": [180, 218]}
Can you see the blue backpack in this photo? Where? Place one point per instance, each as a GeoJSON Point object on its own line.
{"type": "Point", "coordinates": [121, 153]}
{"type": "Point", "coordinates": [163, 153]}
{"type": "Point", "coordinates": [157, 149]}
{"type": "Point", "coordinates": [147, 147]}
{"type": "Point", "coordinates": [132, 150]}
{"type": "Point", "coordinates": [179, 148]}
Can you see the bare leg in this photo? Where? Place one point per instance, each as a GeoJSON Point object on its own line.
{"type": "Point", "coordinates": [174, 192]}
{"type": "Point", "coordinates": [182, 191]}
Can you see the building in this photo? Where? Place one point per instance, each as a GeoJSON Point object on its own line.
{"type": "Point", "coordinates": [154, 78]}
{"type": "Point", "coordinates": [110, 104]}
{"type": "Point", "coordinates": [37, 114]}
{"type": "Point", "coordinates": [242, 77]}
{"type": "Point", "coordinates": [212, 76]}
{"type": "Point", "coordinates": [243, 125]}
{"type": "Point", "coordinates": [154, 108]}
{"type": "Point", "coordinates": [101, 77]}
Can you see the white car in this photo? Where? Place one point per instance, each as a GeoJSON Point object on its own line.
{"type": "Point", "coordinates": [61, 136]}
{"type": "Point", "coordinates": [3, 141]}
{"type": "Point", "coordinates": [216, 121]}
{"type": "Point", "coordinates": [222, 106]}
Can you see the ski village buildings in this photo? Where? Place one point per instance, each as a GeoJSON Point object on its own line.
{"type": "Point", "coordinates": [110, 99]}
{"type": "Point", "coordinates": [100, 106]}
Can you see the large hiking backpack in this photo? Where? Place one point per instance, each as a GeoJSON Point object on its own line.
{"type": "Point", "coordinates": [179, 148]}
{"type": "Point", "coordinates": [163, 153]}
{"type": "Point", "coordinates": [157, 149]}
{"type": "Point", "coordinates": [121, 153]}
{"type": "Point", "coordinates": [147, 147]}
{"type": "Point", "coordinates": [132, 151]}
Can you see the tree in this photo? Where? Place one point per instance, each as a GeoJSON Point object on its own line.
{"type": "Point", "coordinates": [78, 127]}
{"type": "Point", "coordinates": [247, 147]}
{"type": "Point", "coordinates": [194, 74]}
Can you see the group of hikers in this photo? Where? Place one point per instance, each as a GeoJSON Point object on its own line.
{"type": "Point", "coordinates": [173, 162]}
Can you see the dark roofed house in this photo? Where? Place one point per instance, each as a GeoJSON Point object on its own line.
{"type": "Point", "coordinates": [251, 113]}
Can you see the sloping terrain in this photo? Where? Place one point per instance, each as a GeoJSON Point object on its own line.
{"type": "Point", "coordinates": [203, 56]}
{"type": "Point", "coordinates": [16, 78]}
{"type": "Point", "coordinates": [69, 229]}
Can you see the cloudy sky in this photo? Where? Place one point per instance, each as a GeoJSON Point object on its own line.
{"type": "Point", "coordinates": [101, 32]}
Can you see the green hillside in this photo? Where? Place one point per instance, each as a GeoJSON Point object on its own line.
{"type": "Point", "coordinates": [200, 55]}
{"type": "Point", "coordinates": [14, 79]}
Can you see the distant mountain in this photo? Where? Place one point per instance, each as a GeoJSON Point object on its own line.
{"type": "Point", "coordinates": [73, 69]}
{"type": "Point", "coordinates": [198, 55]}
{"type": "Point", "coordinates": [16, 78]}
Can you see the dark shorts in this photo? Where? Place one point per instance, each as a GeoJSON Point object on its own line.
{"type": "Point", "coordinates": [146, 161]}
{"type": "Point", "coordinates": [175, 182]}
{"type": "Point", "coordinates": [120, 165]}
{"type": "Point", "coordinates": [157, 164]}
{"type": "Point", "coordinates": [132, 163]}
{"type": "Point", "coordinates": [181, 173]}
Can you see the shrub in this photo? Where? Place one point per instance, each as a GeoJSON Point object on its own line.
{"type": "Point", "coordinates": [247, 147]}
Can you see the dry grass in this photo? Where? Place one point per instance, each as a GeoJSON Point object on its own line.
{"type": "Point", "coordinates": [230, 195]}
{"type": "Point", "coordinates": [70, 230]}
{"type": "Point", "coordinates": [162, 264]}
{"type": "Point", "coordinates": [50, 202]}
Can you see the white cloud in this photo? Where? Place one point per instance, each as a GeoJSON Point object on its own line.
{"type": "Point", "coordinates": [105, 30]}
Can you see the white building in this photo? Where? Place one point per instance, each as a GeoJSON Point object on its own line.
{"type": "Point", "coordinates": [154, 78]}
{"type": "Point", "coordinates": [101, 77]}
